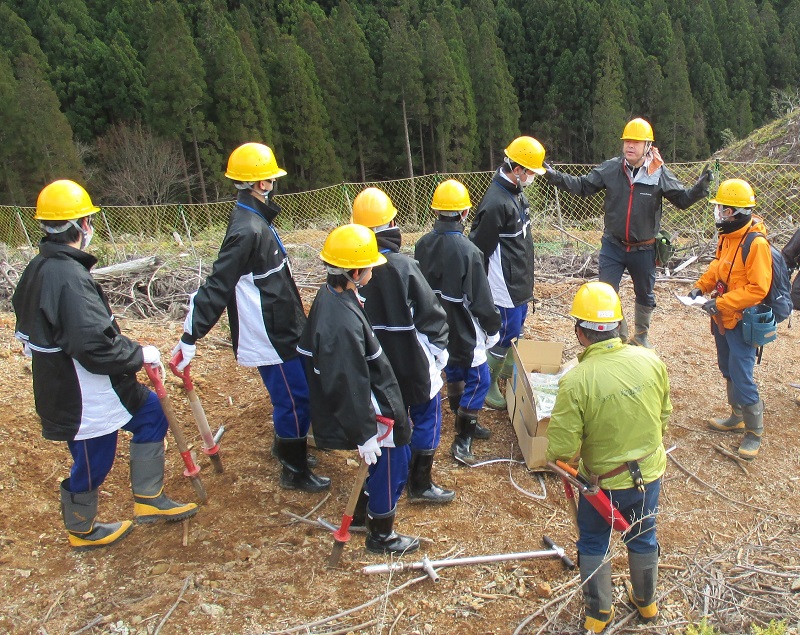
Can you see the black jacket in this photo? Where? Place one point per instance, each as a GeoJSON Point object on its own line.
{"type": "Point", "coordinates": [350, 379]}
{"type": "Point", "coordinates": [253, 279]}
{"type": "Point", "coordinates": [453, 267]}
{"type": "Point", "coordinates": [501, 230]}
{"type": "Point", "coordinates": [410, 323]}
{"type": "Point", "coordinates": [632, 208]}
{"type": "Point", "coordinates": [84, 370]}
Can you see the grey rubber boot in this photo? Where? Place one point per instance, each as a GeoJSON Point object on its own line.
{"type": "Point", "coordinates": [150, 504]}
{"type": "Point", "coordinates": [466, 420]}
{"type": "Point", "coordinates": [642, 587]}
{"type": "Point", "coordinates": [754, 428]}
{"type": "Point", "coordinates": [496, 358]}
{"type": "Point", "coordinates": [641, 325]}
{"type": "Point", "coordinates": [381, 537]}
{"type": "Point", "coordinates": [734, 422]}
{"type": "Point", "coordinates": [79, 510]}
{"type": "Point", "coordinates": [293, 456]}
{"type": "Point", "coordinates": [455, 390]}
{"type": "Point", "coordinates": [597, 592]}
{"type": "Point", "coordinates": [421, 488]}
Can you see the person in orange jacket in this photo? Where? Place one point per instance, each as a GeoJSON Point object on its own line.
{"type": "Point", "coordinates": [739, 279]}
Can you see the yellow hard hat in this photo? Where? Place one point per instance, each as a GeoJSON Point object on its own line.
{"type": "Point", "coordinates": [352, 247]}
{"type": "Point", "coordinates": [253, 162]}
{"type": "Point", "coordinates": [528, 152]}
{"type": "Point", "coordinates": [596, 302]}
{"type": "Point", "coordinates": [638, 130]}
{"type": "Point", "coordinates": [373, 208]}
{"type": "Point", "coordinates": [64, 200]}
{"type": "Point", "coordinates": [451, 196]}
{"type": "Point", "coordinates": [735, 193]}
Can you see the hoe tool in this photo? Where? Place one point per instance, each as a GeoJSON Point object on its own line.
{"type": "Point", "coordinates": [342, 535]}
{"type": "Point", "coordinates": [592, 493]}
{"type": "Point", "coordinates": [192, 469]}
{"type": "Point", "coordinates": [210, 444]}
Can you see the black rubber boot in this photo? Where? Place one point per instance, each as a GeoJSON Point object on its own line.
{"type": "Point", "coordinates": [311, 460]}
{"type": "Point", "coordinates": [150, 504]}
{"type": "Point", "coordinates": [642, 587]}
{"type": "Point", "coordinates": [466, 421]}
{"type": "Point", "coordinates": [733, 423]}
{"type": "Point", "coordinates": [79, 510]}
{"type": "Point", "coordinates": [641, 325]}
{"type": "Point", "coordinates": [292, 453]}
{"type": "Point", "coordinates": [754, 428]}
{"type": "Point", "coordinates": [421, 489]}
{"type": "Point", "coordinates": [597, 592]}
{"type": "Point", "coordinates": [381, 537]}
{"type": "Point", "coordinates": [455, 390]}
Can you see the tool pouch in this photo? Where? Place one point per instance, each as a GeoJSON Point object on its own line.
{"type": "Point", "coordinates": [758, 325]}
{"type": "Point", "coordinates": [664, 248]}
{"type": "Point", "coordinates": [636, 475]}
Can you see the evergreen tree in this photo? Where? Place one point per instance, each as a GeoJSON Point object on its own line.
{"type": "Point", "coordinates": [608, 112]}
{"type": "Point", "coordinates": [569, 108]}
{"type": "Point", "coordinates": [779, 48]}
{"type": "Point", "coordinates": [308, 149]}
{"type": "Point", "coordinates": [122, 81]}
{"type": "Point", "coordinates": [11, 190]}
{"type": "Point", "coordinates": [355, 72]}
{"type": "Point", "coordinates": [176, 85]}
{"type": "Point", "coordinates": [403, 89]}
{"type": "Point", "coordinates": [674, 119]}
{"type": "Point", "coordinates": [514, 43]}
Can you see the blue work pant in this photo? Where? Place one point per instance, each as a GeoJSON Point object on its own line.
{"type": "Point", "coordinates": [426, 421]}
{"type": "Point", "coordinates": [288, 391]}
{"type": "Point", "coordinates": [640, 263]}
{"type": "Point", "coordinates": [511, 324]}
{"type": "Point", "coordinates": [92, 459]}
{"type": "Point", "coordinates": [476, 384]}
{"type": "Point", "coordinates": [736, 360]}
{"type": "Point", "coordinates": [637, 508]}
{"type": "Point", "coordinates": [387, 479]}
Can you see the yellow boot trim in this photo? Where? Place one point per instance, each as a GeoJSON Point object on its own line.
{"type": "Point", "coordinates": [81, 543]}
{"type": "Point", "coordinates": [145, 513]}
{"type": "Point", "coordinates": [593, 625]}
{"type": "Point", "coordinates": [647, 613]}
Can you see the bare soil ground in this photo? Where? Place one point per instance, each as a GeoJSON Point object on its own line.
{"type": "Point", "coordinates": [246, 568]}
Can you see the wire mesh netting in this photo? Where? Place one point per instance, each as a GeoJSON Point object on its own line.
{"type": "Point", "coordinates": [559, 220]}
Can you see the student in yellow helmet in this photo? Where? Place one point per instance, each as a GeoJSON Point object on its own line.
{"type": "Point", "coordinates": [612, 409]}
{"type": "Point", "coordinates": [501, 230]}
{"type": "Point", "coordinates": [84, 374]}
{"type": "Point", "coordinates": [352, 383]}
{"type": "Point", "coordinates": [252, 278]}
{"type": "Point", "coordinates": [635, 183]}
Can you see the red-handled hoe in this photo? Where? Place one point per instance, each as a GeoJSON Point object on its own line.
{"type": "Point", "coordinates": [210, 441]}
{"type": "Point", "coordinates": [342, 535]}
{"type": "Point", "coordinates": [192, 469]}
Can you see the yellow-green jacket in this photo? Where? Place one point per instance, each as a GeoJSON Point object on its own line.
{"type": "Point", "coordinates": [613, 407]}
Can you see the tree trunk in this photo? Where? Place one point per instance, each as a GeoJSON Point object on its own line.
{"type": "Point", "coordinates": [433, 147]}
{"type": "Point", "coordinates": [360, 153]}
{"type": "Point", "coordinates": [422, 147]}
{"type": "Point", "coordinates": [186, 174]}
{"type": "Point", "coordinates": [197, 160]}
{"type": "Point", "coordinates": [408, 142]}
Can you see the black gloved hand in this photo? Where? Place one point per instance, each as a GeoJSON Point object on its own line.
{"type": "Point", "coordinates": [695, 293]}
{"type": "Point", "coordinates": [705, 178]}
{"type": "Point", "coordinates": [550, 174]}
{"type": "Point", "coordinates": [710, 307]}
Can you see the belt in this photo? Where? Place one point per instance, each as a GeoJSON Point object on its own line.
{"type": "Point", "coordinates": [622, 468]}
{"type": "Point", "coordinates": [650, 241]}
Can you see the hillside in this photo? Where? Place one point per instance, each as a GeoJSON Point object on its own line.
{"type": "Point", "coordinates": [775, 142]}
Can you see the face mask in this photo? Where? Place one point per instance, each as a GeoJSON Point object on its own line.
{"type": "Point", "coordinates": [87, 238]}
{"type": "Point", "coordinates": [525, 179]}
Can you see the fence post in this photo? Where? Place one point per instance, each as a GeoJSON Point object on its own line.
{"type": "Point", "coordinates": [560, 220]}
{"type": "Point", "coordinates": [347, 202]}
{"type": "Point", "coordinates": [21, 224]}
{"type": "Point", "coordinates": [188, 231]}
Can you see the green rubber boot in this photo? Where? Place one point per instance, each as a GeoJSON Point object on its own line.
{"type": "Point", "coordinates": [496, 357]}
{"type": "Point", "coordinates": [733, 423]}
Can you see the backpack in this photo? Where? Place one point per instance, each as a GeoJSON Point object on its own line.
{"type": "Point", "coordinates": [778, 297]}
{"type": "Point", "coordinates": [791, 253]}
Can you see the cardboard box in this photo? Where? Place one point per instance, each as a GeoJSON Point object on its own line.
{"type": "Point", "coordinates": [531, 356]}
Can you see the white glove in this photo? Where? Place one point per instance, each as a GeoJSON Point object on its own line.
{"type": "Point", "coordinates": [441, 360]}
{"type": "Point", "coordinates": [370, 451]}
{"type": "Point", "coordinates": [26, 350]}
{"type": "Point", "coordinates": [187, 351]}
{"type": "Point", "coordinates": [151, 355]}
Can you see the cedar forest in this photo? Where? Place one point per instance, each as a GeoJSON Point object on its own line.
{"type": "Point", "coordinates": [354, 90]}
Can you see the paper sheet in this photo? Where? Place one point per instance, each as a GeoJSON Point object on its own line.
{"type": "Point", "coordinates": [687, 301]}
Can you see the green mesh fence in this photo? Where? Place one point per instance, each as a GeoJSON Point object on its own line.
{"type": "Point", "coordinates": [560, 221]}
